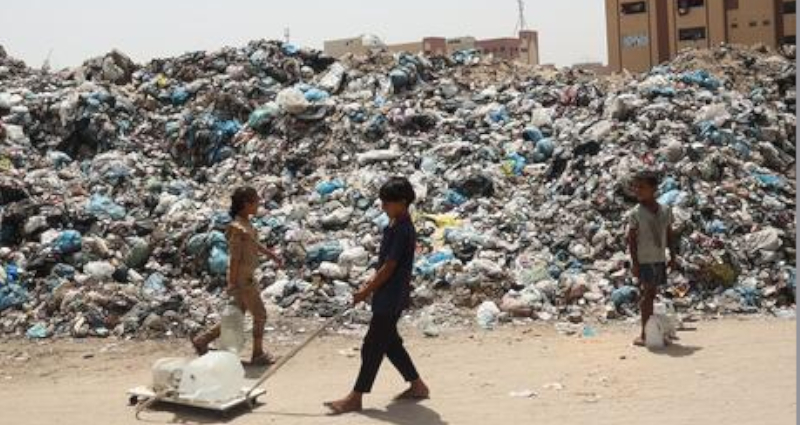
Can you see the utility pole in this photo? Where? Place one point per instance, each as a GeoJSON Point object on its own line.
{"type": "Point", "coordinates": [46, 64]}
{"type": "Point", "coordinates": [522, 24]}
{"type": "Point", "coordinates": [286, 35]}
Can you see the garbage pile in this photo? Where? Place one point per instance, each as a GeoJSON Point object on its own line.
{"type": "Point", "coordinates": [116, 177]}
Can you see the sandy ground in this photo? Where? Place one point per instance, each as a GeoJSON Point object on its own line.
{"type": "Point", "coordinates": [735, 371]}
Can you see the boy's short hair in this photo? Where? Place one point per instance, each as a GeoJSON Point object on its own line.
{"type": "Point", "coordinates": [397, 189]}
{"type": "Point", "coordinates": [651, 178]}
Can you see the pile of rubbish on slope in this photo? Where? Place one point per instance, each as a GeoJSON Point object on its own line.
{"type": "Point", "coordinates": [116, 178]}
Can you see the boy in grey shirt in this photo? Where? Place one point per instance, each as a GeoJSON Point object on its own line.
{"type": "Point", "coordinates": [650, 233]}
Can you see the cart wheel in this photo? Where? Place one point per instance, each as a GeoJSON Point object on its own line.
{"type": "Point", "coordinates": [133, 400]}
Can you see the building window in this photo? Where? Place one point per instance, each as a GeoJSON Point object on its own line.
{"type": "Point", "coordinates": [753, 24]}
{"type": "Point", "coordinates": [731, 4]}
{"type": "Point", "coordinates": [692, 34]}
{"type": "Point", "coordinates": [766, 22]}
{"type": "Point", "coordinates": [524, 50]}
{"type": "Point", "coordinates": [634, 8]}
{"type": "Point", "coordinates": [734, 25]}
{"type": "Point", "coordinates": [685, 6]}
{"type": "Point", "coordinates": [790, 39]}
{"type": "Point", "coordinates": [789, 7]}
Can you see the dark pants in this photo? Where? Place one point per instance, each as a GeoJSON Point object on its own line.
{"type": "Point", "coordinates": [381, 340]}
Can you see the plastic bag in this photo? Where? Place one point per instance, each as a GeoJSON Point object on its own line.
{"type": "Point", "coordinates": [102, 206]}
{"type": "Point", "coordinates": [68, 242]}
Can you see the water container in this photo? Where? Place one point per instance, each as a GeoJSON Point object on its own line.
{"type": "Point", "coordinates": [217, 376]}
{"type": "Point", "coordinates": [655, 331]}
{"type": "Point", "coordinates": [232, 333]}
{"type": "Point", "coordinates": [167, 373]}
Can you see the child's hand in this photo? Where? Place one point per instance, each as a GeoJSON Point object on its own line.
{"type": "Point", "coordinates": [673, 264]}
{"type": "Point", "coordinates": [359, 297]}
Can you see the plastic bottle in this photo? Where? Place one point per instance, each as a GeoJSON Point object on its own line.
{"type": "Point", "coordinates": [232, 334]}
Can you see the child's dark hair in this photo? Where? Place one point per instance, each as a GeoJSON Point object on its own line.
{"type": "Point", "coordinates": [241, 196]}
{"type": "Point", "coordinates": [398, 189]}
{"type": "Point", "coordinates": [648, 177]}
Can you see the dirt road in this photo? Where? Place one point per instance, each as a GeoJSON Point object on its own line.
{"type": "Point", "coordinates": [731, 371]}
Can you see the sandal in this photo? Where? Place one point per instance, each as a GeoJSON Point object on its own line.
{"type": "Point", "coordinates": [263, 360]}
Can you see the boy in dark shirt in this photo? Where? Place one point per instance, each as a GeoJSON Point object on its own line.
{"type": "Point", "coordinates": [391, 290]}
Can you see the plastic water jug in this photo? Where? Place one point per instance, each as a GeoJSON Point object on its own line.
{"type": "Point", "coordinates": [654, 331]}
{"type": "Point", "coordinates": [217, 376]}
{"type": "Point", "coordinates": [167, 373]}
{"type": "Point", "coordinates": [232, 333]}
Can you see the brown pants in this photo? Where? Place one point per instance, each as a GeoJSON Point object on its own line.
{"type": "Point", "coordinates": [249, 300]}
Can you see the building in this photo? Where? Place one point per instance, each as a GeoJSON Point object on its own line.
{"type": "Point", "coordinates": [524, 48]}
{"type": "Point", "coordinates": [642, 34]}
{"type": "Point", "coordinates": [360, 45]}
{"type": "Point", "coordinates": [428, 45]}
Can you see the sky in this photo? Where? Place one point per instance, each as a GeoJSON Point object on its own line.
{"type": "Point", "coordinates": [570, 31]}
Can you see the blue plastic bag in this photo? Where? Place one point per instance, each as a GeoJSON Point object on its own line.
{"type": "Point", "coordinates": [324, 251]}
{"type": "Point", "coordinates": [290, 49]}
{"type": "Point", "coordinates": [499, 115]}
{"type": "Point", "coordinates": [624, 295]}
{"type": "Point", "coordinates": [544, 150]}
{"type": "Point", "coordinates": [316, 95]}
{"type": "Point", "coordinates": [667, 185]}
{"type": "Point", "coordinates": [261, 118]}
{"type": "Point", "coordinates": [700, 78]}
{"type": "Point", "coordinates": [716, 227]}
{"type": "Point", "coordinates": [532, 134]}
{"type": "Point", "coordinates": [37, 331]}
{"type": "Point", "coordinates": [12, 295]}
{"type": "Point", "coordinates": [428, 264]}
{"type": "Point", "coordinates": [12, 273]}
{"type": "Point", "coordinates": [68, 242]}
{"type": "Point", "coordinates": [673, 197]}
{"type": "Point", "coordinates": [515, 163]}
{"type": "Point", "coordinates": [218, 261]}
{"type": "Point", "coordinates": [102, 206]}
{"type": "Point", "coordinates": [454, 198]}
{"type": "Point", "coordinates": [179, 96]}
{"type": "Point", "coordinates": [769, 181]}
{"type": "Point", "coordinates": [328, 187]}
{"type": "Point", "coordinates": [65, 271]}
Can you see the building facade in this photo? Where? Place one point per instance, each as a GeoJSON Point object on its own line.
{"type": "Point", "coordinates": [524, 48]}
{"type": "Point", "coordinates": [642, 34]}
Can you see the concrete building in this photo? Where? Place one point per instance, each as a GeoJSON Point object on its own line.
{"type": "Point", "coordinates": [360, 45]}
{"type": "Point", "coordinates": [428, 46]}
{"type": "Point", "coordinates": [642, 34]}
{"type": "Point", "coordinates": [524, 48]}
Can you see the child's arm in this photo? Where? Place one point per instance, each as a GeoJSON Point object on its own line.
{"type": "Point", "coordinates": [235, 256]}
{"type": "Point", "coordinates": [634, 250]}
{"type": "Point", "coordinates": [376, 282]}
{"type": "Point", "coordinates": [271, 254]}
{"type": "Point", "coordinates": [672, 243]}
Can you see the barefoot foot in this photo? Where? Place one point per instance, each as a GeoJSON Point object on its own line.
{"type": "Point", "coordinates": [345, 405]}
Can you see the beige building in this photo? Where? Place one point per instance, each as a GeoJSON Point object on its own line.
{"type": "Point", "coordinates": [524, 48]}
{"type": "Point", "coordinates": [360, 45]}
{"type": "Point", "coordinates": [642, 34]}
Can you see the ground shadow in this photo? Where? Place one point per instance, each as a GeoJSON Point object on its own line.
{"type": "Point", "coordinates": [254, 371]}
{"type": "Point", "coordinates": [405, 413]}
{"type": "Point", "coordinates": [676, 350]}
{"type": "Point", "coordinates": [192, 415]}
